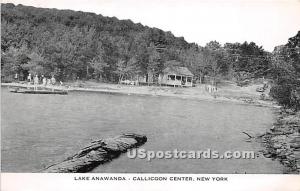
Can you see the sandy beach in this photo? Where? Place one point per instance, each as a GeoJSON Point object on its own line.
{"type": "Point", "coordinates": [227, 92]}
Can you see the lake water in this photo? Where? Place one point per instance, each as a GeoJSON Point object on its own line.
{"type": "Point", "coordinates": [39, 130]}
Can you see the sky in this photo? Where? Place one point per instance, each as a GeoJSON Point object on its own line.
{"type": "Point", "coordinates": [268, 23]}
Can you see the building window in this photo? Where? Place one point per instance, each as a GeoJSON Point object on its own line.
{"type": "Point", "coordinates": [171, 77]}
{"type": "Point", "coordinates": [189, 79]}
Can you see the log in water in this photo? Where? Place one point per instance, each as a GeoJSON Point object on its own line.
{"type": "Point", "coordinates": [97, 153]}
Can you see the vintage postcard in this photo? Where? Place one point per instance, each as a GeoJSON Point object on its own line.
{"type": "Point", "coordinates": [150, 91]}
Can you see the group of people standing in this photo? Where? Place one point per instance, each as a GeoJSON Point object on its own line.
{"type": "Point", "coordinates": [44, 81]}
{"type": "Point", "coordinates": [211, 88]}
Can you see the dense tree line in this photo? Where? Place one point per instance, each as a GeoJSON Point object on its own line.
{"type": "Point", "coordinates": [285, 71]}
{"type": "Point", "coordinates": [71, 45]}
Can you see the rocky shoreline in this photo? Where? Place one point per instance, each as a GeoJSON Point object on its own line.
{"type": "Point", "coordinates": [98, 152]}
{"type": "Point", "coordinates": [282, 140]}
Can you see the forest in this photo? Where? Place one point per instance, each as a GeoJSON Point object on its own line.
{"type": "Point", "coordinates": [80, 45]}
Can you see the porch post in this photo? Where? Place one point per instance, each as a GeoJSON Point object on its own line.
{"type": "Point", "coordinates": [175, 80]}
{"type": "Point", "coordinates": [181, 81]}
{"type": "Point", "coordinates": [186, 80]}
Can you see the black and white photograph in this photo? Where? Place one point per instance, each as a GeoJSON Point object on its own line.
{"type": "Point", "coordinates": [159, 87]}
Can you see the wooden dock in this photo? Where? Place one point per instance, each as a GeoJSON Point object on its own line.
{"type": "Point", "coordinates": [26, 91]}
{"type": "Point", "coordinates": [29, 89]}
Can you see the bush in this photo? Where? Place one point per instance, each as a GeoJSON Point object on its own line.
{"type": "Point", "coordinates": [286, 95]}
{"type": "Point", "coordinates": [295, 99]}
{"type": "Point", "coordinates": [282, 94]}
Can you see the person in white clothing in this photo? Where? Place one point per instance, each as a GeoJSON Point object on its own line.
{"type": "Point", "coordinates": [44, 80]}
{"type": "Point", "coordinates": [36, 82]}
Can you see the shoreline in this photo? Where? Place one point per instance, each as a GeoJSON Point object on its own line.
{"type": "Point", "coordinates": [158, 91]}
{"type": "Point", "coordinates": [277, 142]}
{"type": "Point", "coordinates": [282, 140]}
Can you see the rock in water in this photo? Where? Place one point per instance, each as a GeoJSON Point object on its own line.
{"type": "Point", "coordinates": [97, 153]}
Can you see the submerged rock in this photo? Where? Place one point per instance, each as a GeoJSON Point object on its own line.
{"type": "Point", "coordinates": [97, 153]}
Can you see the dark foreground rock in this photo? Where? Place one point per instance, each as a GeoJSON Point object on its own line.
{"type": "Point", "coordinates": [97, 153]}
{"type": "Point", "coordinates": [282, 141]}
